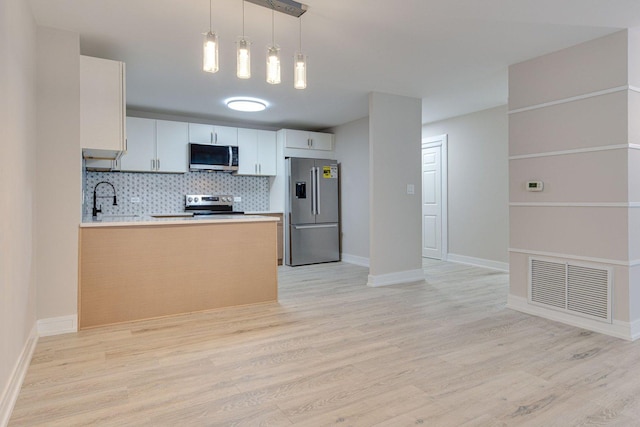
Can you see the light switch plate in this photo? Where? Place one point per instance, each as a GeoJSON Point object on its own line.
{"type": "Point", "coordinates": [411, 189]}
{"type": "Point", "coordinates": [237, 199]}
{"type": "Point", "coordinates": [135, 200]}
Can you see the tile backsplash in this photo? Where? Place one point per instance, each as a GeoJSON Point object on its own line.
{"type": "Point", "coordinates": [164, 193]}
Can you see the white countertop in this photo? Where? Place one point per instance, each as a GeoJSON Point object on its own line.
{"type": "Point", "coordinates": [264, 212]}
{"type": "Point", "coordinates": [169, 219]}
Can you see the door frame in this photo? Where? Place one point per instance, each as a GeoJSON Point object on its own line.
{"type": "Point", "coordinates": [442, 142]}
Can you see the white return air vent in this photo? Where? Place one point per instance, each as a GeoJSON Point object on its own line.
{"type": "Point", "coordinates": [580, 289]}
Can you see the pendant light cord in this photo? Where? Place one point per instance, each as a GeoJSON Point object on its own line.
{"type": "Point", "coordinates": [273, 23]}
{"type": "Point", "coordinates": [210, 13]}
{"type": "Point", "coordinates": [300, 18]}
{"type": "Point", "coordinates": [243, 19]}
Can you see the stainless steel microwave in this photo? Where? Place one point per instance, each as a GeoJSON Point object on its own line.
{"type": "Point", "coordinates": [203, 157]}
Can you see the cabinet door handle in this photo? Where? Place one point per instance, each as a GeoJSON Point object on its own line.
{"type": "Point", "coordinates": [153, 164]}
{"type": "Point", "coordinates": [216, 140]}
{"type": "Point", "coordinates": [211, 138]}
{"type": "Point", "coordinates": [158, 164]}
{"type": "Point", "coordinates": [255, 167]}
{"type": "Point", "coordinates": [259, 168]}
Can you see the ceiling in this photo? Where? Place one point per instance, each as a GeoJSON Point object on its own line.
{"type": "Point", "coordinates": [453, 54]}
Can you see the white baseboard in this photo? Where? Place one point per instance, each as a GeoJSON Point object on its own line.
{"type": "Point", "coordinates": [625, 330]}
{"type": "Point", "coordinates": [478, 262]}
{"type": "Point", "coordinates": [12, 390]}
{"type": "Point", "coordinates": [354, 259]}
{"type": "Point", "coordinates": [634, 328]}
{"type": "Point", "coordinates": [58, 325]}
{"type": "Point", "coordinates": [395, 278]}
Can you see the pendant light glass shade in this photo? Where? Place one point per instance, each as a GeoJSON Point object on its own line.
{"type": "Point", "coordinates": [243, 56]}
{"type": "Point", "coordinates": [300, 71]}
{"type": "Point", "coordinates": [273, 65]}
{"type": "Point", "coordinates": [244, 59]}
{"type": "Point", "coordinates": [300, 65]}
{"type": "Point", "coordinates": [210, 59]}
{"type": "Point", "coordinates": [273, 56]}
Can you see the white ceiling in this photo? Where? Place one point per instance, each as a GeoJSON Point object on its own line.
{"type": "Point", "coordinates": [453, 54]}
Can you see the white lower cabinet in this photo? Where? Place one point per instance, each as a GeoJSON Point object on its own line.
{"type": "Point", "coordinates": [155, 146]}
{"type": "Point", "coordinates": [257, 152]}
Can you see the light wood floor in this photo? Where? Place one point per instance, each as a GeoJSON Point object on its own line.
{"type": "Point", "coordinates": [335, 352]}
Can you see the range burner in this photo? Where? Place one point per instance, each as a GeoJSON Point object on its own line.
{"type": "Point", "coordinates": [206, 204]}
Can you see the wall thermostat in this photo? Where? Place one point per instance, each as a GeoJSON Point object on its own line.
{"type": "Point", "coordinates": [535, 185]}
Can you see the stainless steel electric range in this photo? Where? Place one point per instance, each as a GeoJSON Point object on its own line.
{"type": "Point", "coordinates": [206, 204]}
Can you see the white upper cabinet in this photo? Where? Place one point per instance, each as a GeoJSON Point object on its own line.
{"type": "Point", "coordinates": [102, 108]}
{"type": "Point", "coordinates": [155, 146]}
{"type": "Point", "coordinates": [210, 134]}
{"type": "Point", "coordinates": [172, 146]}
{"type": "Point", "coordinates": [256, 152]}
{"type": "Point", "coordinates": [141, 146]}
{"type": "Point", "coordinates": [306, 140]}
{"type": "Point", "coordinates": [267, 152]}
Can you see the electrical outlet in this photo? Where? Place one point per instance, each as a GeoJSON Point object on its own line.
{"type": "Point", "coordinates": [237, 199]}
{"type": "Point", "coordinates": [135, 200]}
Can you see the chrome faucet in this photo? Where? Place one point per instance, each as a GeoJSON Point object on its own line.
{"type": "Point", "coordinates": [96, 211]}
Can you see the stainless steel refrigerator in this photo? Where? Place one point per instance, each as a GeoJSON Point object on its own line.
{"type": "Point", "coordinates": [312, 227]}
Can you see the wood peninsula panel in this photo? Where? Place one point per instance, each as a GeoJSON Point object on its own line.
{"type": "Point", "coordinates": [280, 233]}
{"type": "Point", "coordinates": [136, 272]}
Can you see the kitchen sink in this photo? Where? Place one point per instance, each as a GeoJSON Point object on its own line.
{"type": "Point", "coordinates": [110, 216]}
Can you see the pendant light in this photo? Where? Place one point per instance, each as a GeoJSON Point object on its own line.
{"type": "Point", "coordinates": [300, 66]}
{"type": "Point", "coordinates": [244, 54]}
{"type": "Point", "coordinates": [273, 56]}
{"type": "Point", "coordinates": [210, 56]}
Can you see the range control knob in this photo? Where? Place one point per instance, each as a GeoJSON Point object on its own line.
{"type": "Point", "coordinates": [190, 199]}
{"type": "Point", "coordinates": [196, 200]}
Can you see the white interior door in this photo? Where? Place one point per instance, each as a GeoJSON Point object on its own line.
{"type": "Point", "coordinates": [432, 202]}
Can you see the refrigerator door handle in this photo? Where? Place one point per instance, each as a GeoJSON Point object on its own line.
{"type": "Point", "coordinates": [306, 227]}
{"type": "Point", "coordinates": [317, 191]}
{"type": "Point", "coordinates": [313, 191]}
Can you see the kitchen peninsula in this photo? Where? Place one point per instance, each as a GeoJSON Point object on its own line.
{"type": "Point", "coordinates": [137, 267]}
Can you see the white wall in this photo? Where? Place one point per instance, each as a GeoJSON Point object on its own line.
{"type": "Point", "coordinates": [478, 190]}
{"type": "Point", "coordinates": [58, 173]}
{"type": "Point", "coordinates": [394, 162]}
{"type": "Point", "coordinates": [572, 124]}
{"type": "Point", "coordinates": [17, 195]}
{"type": "Point", "coordinates": [352, 151]}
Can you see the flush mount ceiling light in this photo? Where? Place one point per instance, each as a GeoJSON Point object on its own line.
{"type": "Point", "coordinates": [250, 105]}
